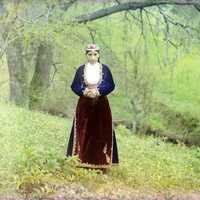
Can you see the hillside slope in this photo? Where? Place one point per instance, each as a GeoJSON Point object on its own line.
{"type": "Point", "coordinates": [33, 162]}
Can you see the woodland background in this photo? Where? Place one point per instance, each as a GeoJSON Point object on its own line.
{"type": "Point", "coordinates": [152, 48]}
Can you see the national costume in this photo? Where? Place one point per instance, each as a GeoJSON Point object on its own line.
{"type": "Point", "coordinates": [92, 136]}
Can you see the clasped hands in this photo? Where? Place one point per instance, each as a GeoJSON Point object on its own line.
{"type": "Point", "coordinates": [91, 92]}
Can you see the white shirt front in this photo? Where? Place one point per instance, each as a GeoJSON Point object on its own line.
{"type": "Point", "coordinates": [92, 73]}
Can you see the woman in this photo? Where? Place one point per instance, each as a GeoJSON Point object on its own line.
{"type": "Point", "coordinates": [92, 136]}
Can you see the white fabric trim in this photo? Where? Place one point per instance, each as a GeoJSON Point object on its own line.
{"type": "Point", "coordinates": [92, 73]}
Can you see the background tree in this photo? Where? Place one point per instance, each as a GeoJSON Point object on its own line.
{"type": "Point", "coordinates": [22, 57]}
{"type": "Point", "coordinates": [42, 42]}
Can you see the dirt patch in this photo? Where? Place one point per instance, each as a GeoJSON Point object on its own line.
{"type": "Point", "coordinates": [77, 191]}
{"type": "Point", "coordinates": [158, 196]}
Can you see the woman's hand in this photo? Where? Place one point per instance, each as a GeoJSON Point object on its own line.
{"type": "Point", "coordinates": [91, 92]}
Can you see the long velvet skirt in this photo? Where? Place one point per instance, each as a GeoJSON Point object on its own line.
{"type": "Point", "coordinates": [92, 136]}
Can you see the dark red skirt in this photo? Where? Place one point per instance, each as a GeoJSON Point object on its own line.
{"type": "Point", "coordinates": [92, 136]}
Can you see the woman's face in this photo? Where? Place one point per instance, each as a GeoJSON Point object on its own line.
{"type": "Point", "coordinates": [92, 56]}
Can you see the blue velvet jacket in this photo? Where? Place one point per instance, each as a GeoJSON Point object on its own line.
{"type": "Point", "coordinates": [105, 87]}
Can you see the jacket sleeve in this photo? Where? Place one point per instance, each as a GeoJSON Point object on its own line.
{"type": "Point", "coordinates": [77, 85]}
{"type": "Point", "coordinates": [107, 85]}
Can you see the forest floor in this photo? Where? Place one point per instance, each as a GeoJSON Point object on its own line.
{"type": "Point", "coordinates": [72, 194]}
{"type": "Point", "coordinates": [155, 197]}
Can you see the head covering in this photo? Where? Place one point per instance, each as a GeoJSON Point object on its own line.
{"type": "Point", "coordinates": [92, 47]}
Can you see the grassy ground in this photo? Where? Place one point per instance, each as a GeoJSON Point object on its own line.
{"type": "Point", "coordinates": [33, 162]}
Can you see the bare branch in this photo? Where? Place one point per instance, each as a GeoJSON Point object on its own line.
{"type": "Point", "coordinates": [66, 5]}
{"type": "Point", "coordinates": [5, 45]}
{"type": "Point", "coordinates": [197, 7]}
{"type": "Point", "coordinates": [54, 73]}
{"type": "Point", "coordinates": [142, 23]}
{"type": "Point", "coordinates": [154, 37]}
{"type": "Point", "coordinates": [174, 22]}
{"type": "Point", "coordinates": [92, 33]}
{"type": "Point", "coordinates": [165, 19]}
{"type": "Point", "coordinates": [132, 15]}
{"type": "Point", "coordinates": [132, 5]}
{"type": "Point", "coordinates": [169, 19]}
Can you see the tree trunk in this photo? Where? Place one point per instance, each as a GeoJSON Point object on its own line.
{"type": "Point", "coordinates": [41, 76]}
{"type": "Point", "coordinates": [136, 114]}
{"type": "Point", "coordinates": [18, 73]}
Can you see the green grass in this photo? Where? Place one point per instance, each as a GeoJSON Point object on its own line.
{"type": "Point", "coordinates": [181, 91]}
{"type": "Point", "coordinates": [22, 131]}
{"type": "Point", "coordinates": [176, 107]}
{"type": "Point", "coordinates": [32, 159]}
